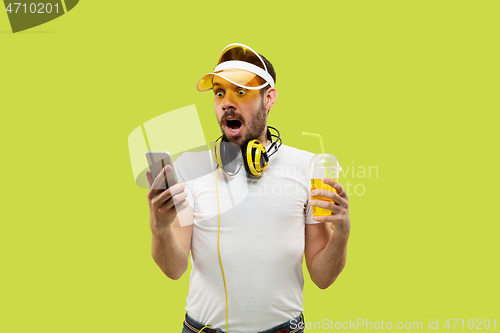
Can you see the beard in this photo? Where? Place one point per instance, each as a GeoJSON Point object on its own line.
{"type": "Point", "coordinates": [255, 126]}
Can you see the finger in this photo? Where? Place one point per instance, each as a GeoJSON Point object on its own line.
{"type": "Point", "coordinates": [176, 200]}
{"type": "Point", "coordinates": [150, 178]}
{"type": "Point", "coordinates": [326, 205]}
{"type": "Point", "coordinates": [179, 207]}
{"type": "Point", "coordinates": [337, 186]}
{"type": "Point", "coordinates": [335, 218]}
{"type": "Point", "coordinates": [179, 197]}
{"type": "Point", "coordinates": [152, 192]}
{"type": "Point", "coordinates": [329, 195]}
{"type": "Point", "coordinates": [161, 179]}
{"type": "Point", "coordinates": [171, 192]}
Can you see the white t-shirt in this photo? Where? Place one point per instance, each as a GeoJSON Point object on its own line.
{"type": "Point", "coordinates": [262, 238]}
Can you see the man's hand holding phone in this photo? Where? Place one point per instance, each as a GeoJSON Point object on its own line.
{"type": "Point", "coordinates": [164, 204]}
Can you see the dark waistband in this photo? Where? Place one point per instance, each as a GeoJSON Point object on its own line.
{"type": "Point", "coordinates": [292, 326]}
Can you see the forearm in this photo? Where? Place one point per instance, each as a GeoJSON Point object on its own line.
{"type": "Point", "coordinates": [168, 253]}
{"type": "Point", "coordinates": [329, 262]}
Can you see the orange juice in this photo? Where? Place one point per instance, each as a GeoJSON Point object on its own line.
{"type": "Point", "coordinates": [318, 184]}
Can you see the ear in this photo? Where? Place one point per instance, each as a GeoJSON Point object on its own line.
{"type": "Point", "coordinates": [270, 98]}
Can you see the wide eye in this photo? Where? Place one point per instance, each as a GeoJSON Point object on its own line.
{"type": "Point", "coordinates": [242, 91]}
{"type": "Point", "coordinates": [219, 93]}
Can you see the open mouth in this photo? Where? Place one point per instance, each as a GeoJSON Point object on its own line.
{"type": "Point", "coordinates": [234, 125]}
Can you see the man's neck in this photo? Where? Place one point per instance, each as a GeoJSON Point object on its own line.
{"type": "Point", "coordinates": [263, 138]}
{"type": "Point", "coordinates": [266, 143]}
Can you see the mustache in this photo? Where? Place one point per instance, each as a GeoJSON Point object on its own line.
{"type": "Point", "coordinates": [230, 114]}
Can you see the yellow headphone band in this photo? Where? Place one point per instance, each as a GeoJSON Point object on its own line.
{"type": "Point", "coordinates": [255, 167]}
{"type": "Point", "coordinates": [255, 159]}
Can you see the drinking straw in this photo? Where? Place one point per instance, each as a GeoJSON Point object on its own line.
{"type": "Point", "coordinates": [321, 145]}
{"type": "Point", "coordinates": [320, 140]}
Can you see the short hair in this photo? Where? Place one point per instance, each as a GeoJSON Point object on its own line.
{"type": "Point", "coordinates": [271, 71]}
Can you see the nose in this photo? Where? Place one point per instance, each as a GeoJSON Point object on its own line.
{"type": "Point", "coordinates": [228, 102]}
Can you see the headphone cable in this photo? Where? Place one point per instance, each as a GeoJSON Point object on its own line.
{"type": "Point", "coordinates": [218, 248]}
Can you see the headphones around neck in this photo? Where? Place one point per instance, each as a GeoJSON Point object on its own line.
{"type": "Point", "coordinates": [254, 154]}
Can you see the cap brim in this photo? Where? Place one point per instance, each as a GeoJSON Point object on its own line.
{"type": "Point", "coordinates": [237, 77]}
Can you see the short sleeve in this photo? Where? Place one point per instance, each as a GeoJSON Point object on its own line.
{"type": "Point", "coordinates": [309, 215]}
{"type": "Point", "coordinates": [308, 210]}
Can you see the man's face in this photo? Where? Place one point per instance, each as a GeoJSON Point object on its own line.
{"type": "Point", "coordinates": [240, 112]}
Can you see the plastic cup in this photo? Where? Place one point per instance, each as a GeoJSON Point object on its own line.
{"type": "Point", "coordinates": [321, 166]}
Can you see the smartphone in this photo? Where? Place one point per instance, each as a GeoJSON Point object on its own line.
{"type": "Point", "coordinates": [157, 160]}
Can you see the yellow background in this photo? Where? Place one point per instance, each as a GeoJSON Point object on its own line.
{"type": "Point", "coordinates": [408, 87]}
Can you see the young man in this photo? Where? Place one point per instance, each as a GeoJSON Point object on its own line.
{"type": "Point", "coordinates": [247, 234]}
